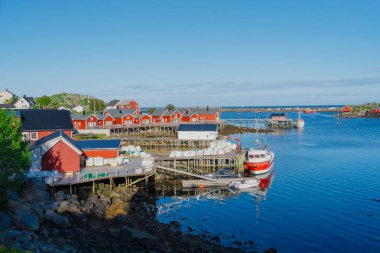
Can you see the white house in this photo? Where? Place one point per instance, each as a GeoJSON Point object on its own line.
{"type": "Point", "coordinates": [197, 131]}
{"type": "Point", "coordinates": [25, 103]}
{"type": "Point", "coordinates": [78, 108]}
{"type": "Point", "coordinates": [6, 95]}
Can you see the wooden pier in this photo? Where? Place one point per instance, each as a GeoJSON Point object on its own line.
{"type": "Point", "coordinates": [164, 128]}
{"type": "Point", "coordinates": [167, 143]}
{"type": "Point", "coordinates": [129, 171]}
{"type": "Point", "coordinates": [201, 165]}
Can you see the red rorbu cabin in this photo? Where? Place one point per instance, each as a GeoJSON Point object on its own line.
{"type": "Point", "coordinates": [56, 151]}
{"type": "Point", "coordinates": [38, 123]}
{"type": "Point", "coordinates": [346, 109]}
{"type": "Point", "coordinates": [127, 104]}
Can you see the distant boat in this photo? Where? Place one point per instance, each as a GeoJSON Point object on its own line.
{"type": "Point", "coordinates": [300, 123]}
{"type": "Point", "coordinates": [308, 111]}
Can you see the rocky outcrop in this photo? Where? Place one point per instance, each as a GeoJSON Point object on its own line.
{"type": "Point", "coordinates": [26, 219]}
{"type": "Point", "coordinates": [119, 221]}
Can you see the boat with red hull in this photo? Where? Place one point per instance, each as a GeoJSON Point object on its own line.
{"type": "Point", "coordinates": [308, 111]}
{"type": "Point", "coordinates": [259, 161]}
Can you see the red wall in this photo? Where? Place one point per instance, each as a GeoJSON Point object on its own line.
{"type": "Point", "coordinates": [105, 153]}
{"type": "Point", "coordinates": [207, 117]}
{"type": "Point", "coordinates": [61, 158]}
{"type": "Point", "coordinates": [82, 124]}
{"type": "Point", "coordinates": [132, 105]}
{"type": "Point", "coordinates": [94, 119]}
{"type": "Point", "coordinates": [42, 134]}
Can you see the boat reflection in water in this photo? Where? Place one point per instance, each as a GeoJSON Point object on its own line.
{"type": "Point", "coordinates": [185, 197]}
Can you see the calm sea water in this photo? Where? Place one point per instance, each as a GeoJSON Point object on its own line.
{"type": "Point", "coordinates": [324, 194]}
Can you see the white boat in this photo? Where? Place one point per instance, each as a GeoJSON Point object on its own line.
{"type": "Point", "coordinates": [300, 123]}
{"type": "Point", "coordinates": [244, 184]}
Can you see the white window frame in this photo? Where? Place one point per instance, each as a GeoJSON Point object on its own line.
{"type": "Point", "coordinates": [31, 136]}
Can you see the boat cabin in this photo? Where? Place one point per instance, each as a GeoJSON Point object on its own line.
{"type": "Point", "coordinates": [257, 155]}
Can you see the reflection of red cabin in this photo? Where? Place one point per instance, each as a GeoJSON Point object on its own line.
{"type": "Point", "coordinates": [346, 109]}
{"type": "Point", "coordinates": [375, 110]}
{"type": "Point", "coordinates": [173, 116]}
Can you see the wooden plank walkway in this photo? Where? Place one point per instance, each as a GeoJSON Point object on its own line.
{"type": "Point", "coordinates": [185, 173]}
{"type": "Point", "coordinates": [134, 168]}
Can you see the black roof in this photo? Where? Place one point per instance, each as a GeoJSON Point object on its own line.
{"type": "Point", "coordinates": [46, 119]}
{"type": "Point", "coordinates": [198, 127]}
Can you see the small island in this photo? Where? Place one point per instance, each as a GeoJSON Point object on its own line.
{"type": "Point", "coordinates": [368, 110]}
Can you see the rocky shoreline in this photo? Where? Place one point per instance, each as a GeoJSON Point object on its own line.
{"type": "Point", "coordinates": [117, 221]}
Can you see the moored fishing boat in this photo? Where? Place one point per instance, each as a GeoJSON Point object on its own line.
{"type": "Point", "coordinates": [259, 160]}
{"type": "Point", "coordinates": [300, 123]}
{"type": "Point", "coordinates": [308, 111]}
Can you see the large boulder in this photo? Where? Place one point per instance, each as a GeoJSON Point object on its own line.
{"type": "Point", "coordinates": [36, 184]}
{"type": "Point", "coordinates": [5, 221]}
{"type": "Point", "coordinates": [26, 219]}
{"type": "Point", "coordinates": [68, 206]}
{"type": "Point", "coordinates": [56, 219]}
{"type": "Point", "coordinates": [37, 196]}
{"type": "Point", "coordinates": [60, 196]}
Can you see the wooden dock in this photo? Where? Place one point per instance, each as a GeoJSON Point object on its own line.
{"type": "Point", "coordinates": [134, 169]}
{"type": "Point", "coordinates": [167, 143]}
{"type": "Point", "coordinates": [204, 164]}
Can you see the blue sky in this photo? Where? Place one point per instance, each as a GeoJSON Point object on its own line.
{"type": "Point", "coordinates": [194, 52]}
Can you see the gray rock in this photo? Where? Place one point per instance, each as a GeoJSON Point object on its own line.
{"type": "Point", "coordinates": [98, 212]}
{"type": "Point", "coordinates": [73, 197]}
{"type": "Point", "coordinates": [37, 196]}
{"type": "Point", "coordinates": [5, 221]}
{"type": "Point", "coordinates": [124, 235]}
{"type": "Point", "coordinates": [56, 219]}
{"type": "Point", "coordinates": [36, 184]}
{"type": "Point", "coordinates": [39, 210]}
{"type": "Point", "coordinates": [14, 234]}
{"type": "Point", "coordinates": [67, 206]}
{"type": "Point", "coordinates": [60, 196]}
{"type": "Point", "coordinates": [14, 205]}
{"type": "Point", "coordinates": [12, 195]}
{"type": "Point", "coordinates": [26, 219]}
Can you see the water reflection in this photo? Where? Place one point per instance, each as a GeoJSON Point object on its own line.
{"type": "Point", "coordinates": [180, 198]}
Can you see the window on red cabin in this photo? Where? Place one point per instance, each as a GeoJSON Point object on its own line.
{"type": "Point", "coordinates": [33, 135]}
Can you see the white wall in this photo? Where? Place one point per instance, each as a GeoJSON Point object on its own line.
{"type": "Point", "coordinates": [197, 135]}
{"type": "Point", "coordinates": [22, 104]}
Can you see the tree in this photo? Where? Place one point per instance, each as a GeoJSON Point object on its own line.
{"type": "Point", "coordinates": [151, 110]}
{"type": "Point", "coordinates": [14, 154]}
{"type": "Point", "coordinates": [96, 105]}
{"type": "Point", "coordinates": [12, 101]}
{"type": "Point", "coordinates": [170, 107]}
{"type": "Point", "coordinates": [43, 101]}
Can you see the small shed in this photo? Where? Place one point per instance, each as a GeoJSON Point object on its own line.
{"type": "Point", "coordinates": [100, 148]}
{"type": "Point", "coordinates": [197, 131]}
